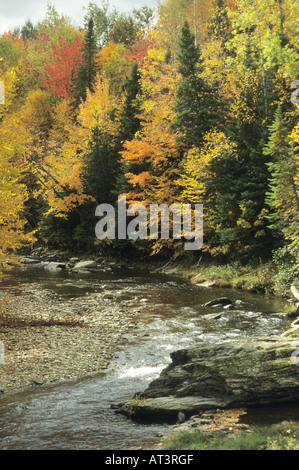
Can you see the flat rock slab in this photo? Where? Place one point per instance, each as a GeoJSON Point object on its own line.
{"type": "Point", "coordinates": [243, 373]}
{"type": "Point", "coordinates": [29, 260]}
{"type": "Point", "coordinates": [168, 408]}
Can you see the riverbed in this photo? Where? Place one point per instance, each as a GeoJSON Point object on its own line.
{"type": "Point", "coordinates": [132, 320]}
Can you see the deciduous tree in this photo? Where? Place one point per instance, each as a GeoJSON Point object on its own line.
{"type": "Point", "coordinates": [64, 63]}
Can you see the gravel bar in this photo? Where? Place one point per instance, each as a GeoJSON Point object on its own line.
{"type": "Point", "coordinates": [47, 338]}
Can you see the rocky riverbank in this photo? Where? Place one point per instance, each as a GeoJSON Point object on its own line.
{"type": "Point", "coordinates": [232, 374]}
{"type": "Point", "coordinates": [48, 338]}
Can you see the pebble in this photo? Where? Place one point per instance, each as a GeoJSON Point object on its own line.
{"type": "Point", "coordinates": [78, 336]}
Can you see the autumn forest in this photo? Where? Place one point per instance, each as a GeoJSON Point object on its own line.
{"type": "Point", "coordinates": [195, 102]}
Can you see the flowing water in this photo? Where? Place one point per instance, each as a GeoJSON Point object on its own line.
{"type": "Point", "coordinates": [78, 416]}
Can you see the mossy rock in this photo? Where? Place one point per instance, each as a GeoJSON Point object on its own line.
{"type": "Point", "coordinates": [243, 373]}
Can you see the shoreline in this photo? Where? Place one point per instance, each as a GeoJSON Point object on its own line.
{"type": "Point", "coordinates": [256, 276]}
{"type": "Point", "coordinates": [259, 280]}
{"type": "Point", "coordinates": [56, 339]}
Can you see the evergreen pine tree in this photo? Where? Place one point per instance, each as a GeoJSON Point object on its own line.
{"type": "Point", "coordinates": [131, 88]}
{"type": "Point", "coordinates": [85, 76]}
{"type": "Point", "coordinates": [242, 184]}
{"type": "Point", "coordinates": [100, 172]}
{"type": "Point", "coordinates": [240, 200]}
{"type": "Point", "coordinates": [130, 122]}
{"type": "Point", "coordinates": [101, 167]}
{"type": "Point", "coordinates": [282, 196]}
{"type": "Point", "coordinates": [196, 103]}
{"type": "Point", "coordinates": [28, 31]}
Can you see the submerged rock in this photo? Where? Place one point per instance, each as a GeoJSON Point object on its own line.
{"type": "Point", "coordinates": [247, 372]}
{"type": "Point", "coordinates": [221, 301]}
{"type": "Point", "coordinates": [212, 316]}
{"type": "Point", "coordinates": [229, 307]}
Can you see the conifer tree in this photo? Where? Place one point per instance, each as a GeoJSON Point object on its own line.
{"type": "Point", "coordinates": [131, 88]}
{"type": "Point", "coordinates": [28, 31]}
{"type": "Point", "coordinates": [129, 120]}
{"type": "Point", "coordinates": [195, 106]}
{"type": "Point", "coordinates": [85, 75]}
{"type": "Point", "coordinates": [282, 196]}
{"type": "Point", "coordinates": [242, 183]}
{"type": "Point", "coordinates": [100, 167]}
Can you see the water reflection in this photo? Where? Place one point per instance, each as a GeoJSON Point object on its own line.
{"type": "Point", "coordinates": [78, 416]}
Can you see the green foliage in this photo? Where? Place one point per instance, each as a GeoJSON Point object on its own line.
{"type": "Point", "coordinates": [103, 20]}
{"type": "Point", "coordinates": [282, 196]}
{"type": "Point", "coordinates": [284, 436]}
{"type": "Point", "coordinates": [191, 106]}
{"type": "Point", "coordinates": [128, 25]}
{"type": "Point", "coordinates": [285, 266]}
{"type": "Point", "coordinates": [100, 168]}
{"type": "Point", "coordinates": [131, 89]}
{"type": "Point", "coordinates": [28, 31]}
{"type": "Point", "coordinates": [58, 232]}
{"type": "Point", "coordinates": [85, 75]}
{"type": "Point", "coordinates": [204, 117]}
{"type": "Point", "coordinates": [10, 52]}
{"type": "Point", "coordinates": [124, 30]}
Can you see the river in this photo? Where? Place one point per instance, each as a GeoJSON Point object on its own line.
{"type": "Point", "coordinates": [78, 415]}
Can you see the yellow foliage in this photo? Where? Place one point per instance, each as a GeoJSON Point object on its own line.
{"type": "Point", "coordinates": [9, 78]}
{"type": "Point", "coordinates": [13, 194]}
{"type": "Point", "coordinates": [295, 137]}
{"type": "Point", "coordinates": [197, 173]}
{"type": "Point", "coordinates": [58, 168]}
{"type": "Point", "coordinates": [197, 178]}
{"type": "Point", "coordinates": [96, 110]}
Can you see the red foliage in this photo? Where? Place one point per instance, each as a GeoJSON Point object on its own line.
{"type": "Point", "coordinates": [60, 72]}
{"type": "Point", "coordinates": [138, 52]}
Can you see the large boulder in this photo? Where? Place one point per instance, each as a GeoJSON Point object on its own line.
{"type": "Point", "coordinates": [248, 372]}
